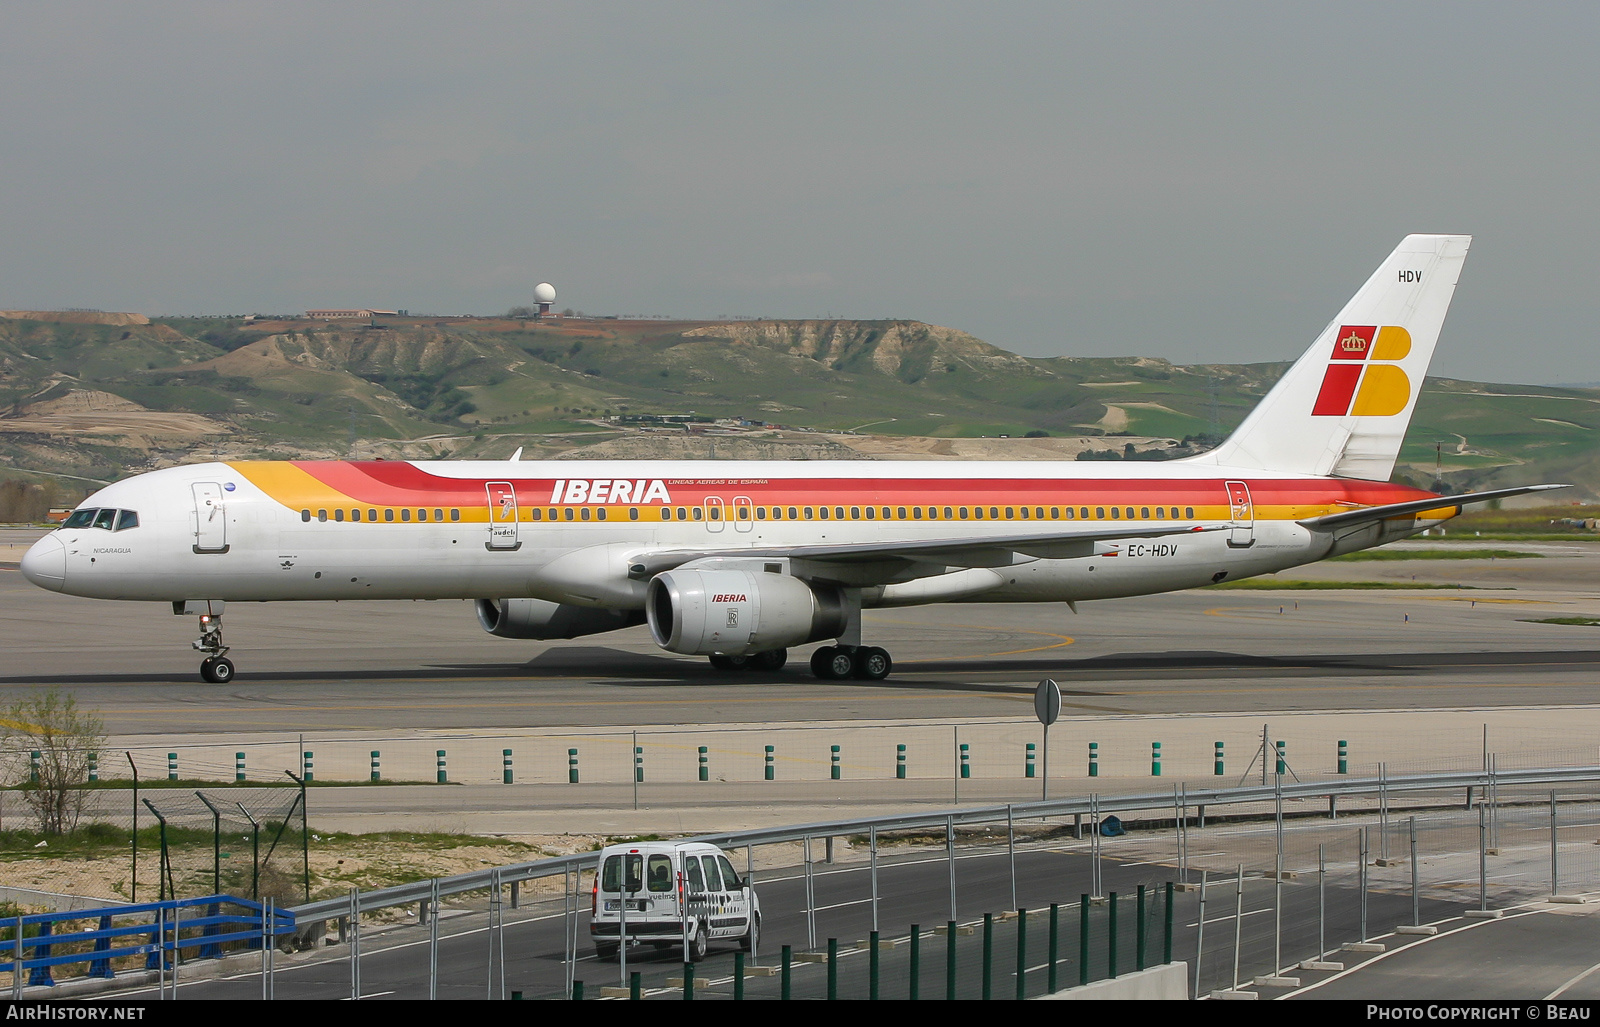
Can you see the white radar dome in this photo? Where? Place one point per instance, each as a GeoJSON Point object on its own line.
{"type": "Point", "coordinates": [544, 292]}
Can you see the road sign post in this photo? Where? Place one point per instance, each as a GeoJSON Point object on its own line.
{"type": "Point", "coordinates": [1047, 707]}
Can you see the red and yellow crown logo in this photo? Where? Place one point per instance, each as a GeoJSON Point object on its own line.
{"type": "Point", "coordinates": [1359, 380]}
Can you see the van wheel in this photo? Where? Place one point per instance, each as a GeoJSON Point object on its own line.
{"type": "Point", "coordinates": [752, 937]}
{"type": "Point", "coordinates": [699, 944]}
{"type": "Point", "coordinates": [604, 952]}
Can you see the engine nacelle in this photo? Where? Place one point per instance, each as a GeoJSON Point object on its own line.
{"type": "Point", "coordinates": [737, 612]}
{"type": "Point", "coordinates": [535, 618]}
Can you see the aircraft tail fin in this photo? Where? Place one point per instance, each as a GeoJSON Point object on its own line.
{"type": "Point", "coordinates": [1344, 406]}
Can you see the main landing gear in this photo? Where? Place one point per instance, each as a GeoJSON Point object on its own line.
{"type": "Point", "coordinates": [216, 668]}
{"type": "Point", "coordinates": [838, 662]}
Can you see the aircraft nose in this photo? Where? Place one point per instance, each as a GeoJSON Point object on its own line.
{"type": "Point", "coordinates": [45, 564]}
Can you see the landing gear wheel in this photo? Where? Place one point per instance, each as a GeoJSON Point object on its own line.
{"type": "Point", "coordinates": [833, 662]}
{"type": "Point", "coordinates": [699, 944]}
{"type": "Point", "coordinates": [216, 669]}
{"type": "Point", "coordinates": [772, 659]}
{"type": "Point", "coordinates": [729, 663]}
{"type": "Point", "coordinates": [207, 666]}
{"type": "Point", "coordinates": [872, 663]}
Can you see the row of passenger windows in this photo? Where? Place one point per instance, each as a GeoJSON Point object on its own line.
{"type": "Point", "coordinates": [779, 513]}
{"type": "Point", "coordinates": [110, 520]}
{"type": "Point", "coordinates": [388, 515]}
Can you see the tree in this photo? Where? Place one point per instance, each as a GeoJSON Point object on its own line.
{"type": "Point", "coordinates": [51, 724]}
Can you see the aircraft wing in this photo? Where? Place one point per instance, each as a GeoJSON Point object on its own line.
{"type": "Point", "coordinates": [969, 551]}
{"type": "Point", "coordinates": [1347, 518]}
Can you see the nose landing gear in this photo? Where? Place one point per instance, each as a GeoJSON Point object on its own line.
{"type": "Point", "coordinates": [216, 668]}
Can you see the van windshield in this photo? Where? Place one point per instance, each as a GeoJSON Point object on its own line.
{"type": "Point", "coordinates": [613, 869]}
{"type": "Point", "coordinates": [660, 876]}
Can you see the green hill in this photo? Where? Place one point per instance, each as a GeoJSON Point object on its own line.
{"type": "Point", "coordinates": [105, 399]}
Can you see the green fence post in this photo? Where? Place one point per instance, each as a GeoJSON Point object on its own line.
{"type": "Point", "coordinates": [900, 762]}
{"type": "Point", "coordinates": [1022, 954]}
{"type": "Point", "coordinates": [1139, 934]}
{"type": "Point", "coordinates": [94, 766]}
{"type": "Point", "coordinates": [440, 774]}
{"type": "Point", "coordinates": [1216, 767]}
{"type": "Point", "coordinates": [1094, 759]}
{"type": "Point", "coordinates": [1027, 761]}
{"type": "Point", "coordinates": [577, 991]}
{"type": "Point", "coordinates": [872, 966]}
{"type": "Point", "coordinates": [309, 773]}
{"type": "Point", "coordinates": [833, 768]}
{"type": "Point", "coordinates": [1055, 951]}
{"type": "Point", "coordinates": [505, 766]}
{"type": "Point", "coordinates": [833, 969]}
{"type": "Point", "coordinates": [705, 768]}
{"type": "Point", "coordinates": [1111, 949]}
{"type": "Point", "coordinates": [738, 976]}
{"type": "Point", "coordinates": [1344, 756]}
{"type": "Point", "coordinates": [988, 954]}
{"type": "Point", "coordinates": [1155, 759]}
{"type": "Point", "coordinates": [172, 766]}
{"type": "Point", "coordinates": [1282, 762]}
{"type": "Point", "coordinates": [238, 766]}
{"type": "Point", "coordinates": [950, 961]}
{"type": "Point", "coordinates": [377, 770]}
{"type": "Point", "coordinates": [966, 768]}
{"type": "Point", "coordinates": [769, 771]}
{"type": "Point", "coordinates": [572, 766]}
{"type": "Point", "coordinates": [688, 981]}
{"type": "Point", "coordinates": [916, 962]}
{"type": "Point", "coordinates": [635, 986]}
{"type": "Point", "coordinates": [786, 977]}
{"type": "Point", "coordinates": [1083, 939]}
{"type": "Point", "coordinates": [638, 764]}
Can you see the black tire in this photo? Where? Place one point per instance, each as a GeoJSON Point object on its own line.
{"type": "Point", "coordinates": [819, 661]}
{"type": "Point", "coordinates": [206, 666]}
{"type": "Point", "coordinates": [605, 952]}
{"type": "Point", "coordinates": [771, 660]}
{"type": "Point", "coordinates": [841, 664]}
{"type": "Point", "coordinates": [699, 944]}
{"type": "Point", "coordinates": [752, 937]}
{"type": "Point", "coordinates": [872, 663]}
{"type": "Point", "coordinates": [222, 671]}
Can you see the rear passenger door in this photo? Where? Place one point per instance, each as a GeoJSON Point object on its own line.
{"type": "Point", "coordinates": [739, 903]}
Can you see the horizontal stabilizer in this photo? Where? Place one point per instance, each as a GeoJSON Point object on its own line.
{"type": "Point", "coordinates": [1328, 522]}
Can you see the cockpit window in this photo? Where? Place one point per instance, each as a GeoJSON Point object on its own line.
{"type": "Point", "coordinates": [106, 519]}
{"type": "Point", "coordinates": [80, 518]}
{"type": "Point", "coordinates": [127, 519]}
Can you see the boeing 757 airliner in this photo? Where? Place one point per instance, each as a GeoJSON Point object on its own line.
{"type": "Point", "coordinates": [740, 560]}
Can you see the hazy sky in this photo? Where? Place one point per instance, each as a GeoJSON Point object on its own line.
{"type": "Point", "coordinates": [1203, 182]}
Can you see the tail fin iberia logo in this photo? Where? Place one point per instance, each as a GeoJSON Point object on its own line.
{"type": "Point", "coordinates": [1362, 356]}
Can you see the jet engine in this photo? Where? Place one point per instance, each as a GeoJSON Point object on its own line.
{"type": "Point", "coordinates": [737, 612]}
{"type": "Point", "coordinates": [535, 618]}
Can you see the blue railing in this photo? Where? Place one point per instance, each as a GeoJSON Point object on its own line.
{"type": "Point", "coordinates": [159, 931]}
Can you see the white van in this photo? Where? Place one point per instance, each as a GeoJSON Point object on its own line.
{"type": "Point", "coordinates": [677, 893]}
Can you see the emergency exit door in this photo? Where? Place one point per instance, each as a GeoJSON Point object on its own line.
{"type": "Point", "coordinates": [1242, 512]}
{"type": "Point", "coordinates": [502, 515]}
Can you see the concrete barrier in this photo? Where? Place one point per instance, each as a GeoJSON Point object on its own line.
{"type": "Point", "coordinates": [1167, 982]}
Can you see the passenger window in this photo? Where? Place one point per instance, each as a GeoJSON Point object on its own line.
{"type": "Point", "coordinates": [730, 878]}
{"type": "Point", "coordinates": [322, 516]}
{"type": "Point", "coordinates": [106, 519]}
{"type": "Point", "coordinates": [1024, 513]}
{"type": "Point", "coordinates": [902, 513]}
{"type": "Point", "coordinates": [683, 513]}
{"type": "Point", "coordinates": [1188, 511]}
{"type": "Point", "coordinates": [994, 513]}
{"type": "Point", "coordinates": [855, 513]}
{"type": "Point", "coordinates": [372, 515]}
{"type": "Point", "coordinates": [885, 513]}
{"type": "Point", "coordinates": [305, 515]}
{"type": "Point", "coordinates": [963, 513]}
{"type": "Point", "coordinates": [1130, 513]}
{"type": "Point", "coordinates": [808, 513]}
{"type": "Point", "coordinates": [916, 513]}
{"type": "Point", "coordinates": [1038, 513]}
{"type": "Point", "coordinates": [713, 874]}
{"type": "Point", "coordinates": [792, 513]}
{"type": "Point", "coordinates": [948, 513]}
{"type": "Point", "coordinates": [697, 881]}
{"type": "Point", "coordinates": [405, 515]}
{"type": "Point", "coordinates": [355, 515]}
{"type": "Point", "coordinates": [455, 515]}
{"type": "Point", "coordinates": [1099, 513]}
{"type": "Point", "coordinates": [666, 513]}
{"type": "Point", "coordinates": [599, 514]}
{"type": "Point", "coordinates": [537, 514]}
{"type": "Point", "coordinates": [388, 515]}
{"type": "Point", "coordinates": [438, 515]}
{"type": "Point", "coordinates": [1116, 513]}
{"type": "Point", "coordinates": [838, 513]}
{"type": "Point", "coordinates": [716, 513]}
{"type": "Point", "coordinates": [1144, 513]}
{"type": "Point", "coordinates": [744, 513]}
{"type": "Point", "coordinates": [823, 511]}
{"type": "Point", "coordinates": [933, 513]}
{"type": "Point", "coordinates": [633, 513]}
{"type": "Point", "coordinates": [871, 513]}
{"type": "Point", "coordinates": [977, 512]}
{"type": "Point", "coordinates": [80, 518]}
{"type": "Point", "coordinates": [1069, 513]}
{"type": "Point", "coordinates": [422, 515]}
{"type": "Point", "coordinates": [1055, 513]}
{"type": "Point", "coordinates": [761, 513]}
{"type": "Point", "coordinates": [1161, 513]}
{"type": "Point", "coordinates": [127, 519]}
{"type": "Point", "coordinates": [338, 515]}
{"type": "Point", "coordinates": [584, 513]}
{"type": "Point", "coordinates": [566, 513]}
{"type": "Point", "coordinates": [697, 513]}
{"type": "Point", "coordinates": [659, 873]}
